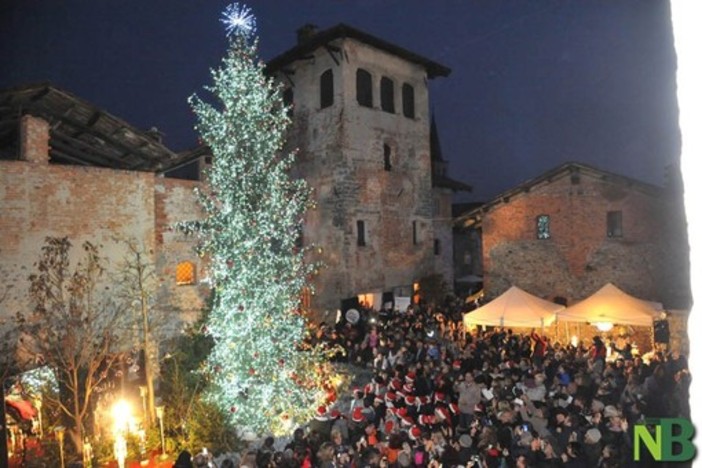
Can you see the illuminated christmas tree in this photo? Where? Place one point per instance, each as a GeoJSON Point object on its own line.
{"type": "Point", "coordinates": [263, 374]}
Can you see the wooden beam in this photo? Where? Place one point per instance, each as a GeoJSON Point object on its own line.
{"type": "Point", "coordinates": [85, 151]}
{"type": "Point", "coordinates": [127, 149]}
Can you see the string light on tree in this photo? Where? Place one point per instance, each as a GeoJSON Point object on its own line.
{"type": "Point", "coordinates": [253, 213]}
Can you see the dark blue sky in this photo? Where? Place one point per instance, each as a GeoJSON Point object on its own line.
{"type": "Point", "coordinates": [535, 83]}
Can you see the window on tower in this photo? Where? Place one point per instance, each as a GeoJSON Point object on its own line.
{"type": "Point", "coordinates": [387, 157]}
{"type": "Point", "coordinates": [408, 101]}
{"type": "Point", "coordinates": [364, 88]}
{"type": "Point", "coordinates": [360, 233]}
{"type": "Point", "coordinates": [387, 95]}
{"type": "Point", "coordinates": [326, 89]}
{"type": "Point", "coordinates": [288, 99]}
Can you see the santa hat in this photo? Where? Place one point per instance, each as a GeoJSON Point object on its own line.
{"type": "Point", "coordinates": [321, 413]}
{"type": "Point", "coordinates": [423, 400]}
{"type": "Point", "coordinates": [411, 400]}
{"type": "Point", "coordinates": [426, 419]}
{"type": "Point", "coordinates": [402, 412]}
{"type": "Point", "coordinates": [415, 433]}
{"type": "Point", "coordinates": [456, 364]}
{"type": "Point", "coordinates": [442, 413]}
{"type": "Point", "coordinates": [335, 414]}
{"type": "Point", "coordinates": [390, 396]}
{"type": "Point", "coordinates": [439, 396]}
{"type": "Point", "coordinates": [406, 420]}
{"type": "Point", "coordinates": [378, 399]}
{"type": "Point", "coordinates": [407, 388]}
{"type": "Point", "coordinates": [396, 384]}
{"type": "Point", "coordinates": [454, 408]}
{"type": "Point", "coordinates": [410, 377]}
{"type": "Point", "coordinates": [368, 389]}
{"type": "Point", "coordinates": [357, 415]}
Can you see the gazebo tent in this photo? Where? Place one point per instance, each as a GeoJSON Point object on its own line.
{"type": "Point", "coordinates": [612, 305]}
{"type": "Point", "coordinates": [514, 308]}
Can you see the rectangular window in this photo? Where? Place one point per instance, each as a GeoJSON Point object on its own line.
{"type": "Point", "coordinates": [415, 233]}
{"type": "Point", "coordinates": [326, 89]}
{"type": "Point", "coordinates": [387, 95]}
{"type": "Point", "coordinates": [364, 88]}
{"type": "Point", "coordinates": [614, 224]}
{"type": "Point", "coordinates": [360, 233]}
{"type": "Point", "coordinates": [185, 273]}
{"type": "Point", "coordinates": [408, 101]}
{"type": "Point", "coordinates": [543, 227]}
{"type": "Point", "coordinates": [288, 100]}
{"type": "Point", "coordinates": [387, 154]}
{"type": "Point", "coordinates": [437, 247]}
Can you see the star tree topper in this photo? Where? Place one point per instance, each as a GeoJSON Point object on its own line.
{"type": "Point", "coordinates": [239, 21]}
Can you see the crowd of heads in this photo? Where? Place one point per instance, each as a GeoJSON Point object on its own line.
{"type": "Point", "coordinates": [439, 395]}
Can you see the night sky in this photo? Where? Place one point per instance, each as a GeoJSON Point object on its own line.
{"type": "Point", "coordinates": [534, 83]}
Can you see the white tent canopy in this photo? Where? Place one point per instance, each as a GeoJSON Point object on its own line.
{"type": "Point", "coordinates": [612, 305]}
{"type": "Point", "coordinates": [514, 308]}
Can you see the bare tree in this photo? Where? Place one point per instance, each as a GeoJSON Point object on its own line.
{"type": "Point", "coordinates": [137, 282]}
{"type": "Point", "coordinates": [72, 327]}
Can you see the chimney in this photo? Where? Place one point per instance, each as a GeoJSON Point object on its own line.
{"type": "Point", "coordinates": [34, 139]}
{"type": "Point", "coordinates": [155, 134]}
{"type": "Point", "coordinates": [306, 33]}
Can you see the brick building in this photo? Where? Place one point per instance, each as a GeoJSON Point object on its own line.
{"type": "Point", "coordinates": [70, 169]}
{"type": "Point", "coordinates": [568, 232]}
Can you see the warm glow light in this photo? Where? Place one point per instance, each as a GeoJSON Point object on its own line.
{"type": "Point", "coordinates": [574, 341]}
{"type": "Point", "coordinates": [604, 326]}
{"type": "Point", "coordinates": [122, 415]}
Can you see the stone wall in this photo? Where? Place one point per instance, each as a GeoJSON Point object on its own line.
{"type": "Point", "coordinates": [342, 158]}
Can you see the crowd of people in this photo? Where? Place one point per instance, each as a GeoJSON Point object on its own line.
{"type": "Point", "coordinates": [441, 396]}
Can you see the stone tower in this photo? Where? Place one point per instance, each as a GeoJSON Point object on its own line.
{"type": "Point", "coordinates": [362, 126]}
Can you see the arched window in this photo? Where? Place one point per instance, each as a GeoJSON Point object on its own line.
{"type": "Point", "coordinates": [326, 89]}
{"type": "Point", "coordinates": [387, 95]}
{"type": "Point", "coordinates": [364, 88]}
{"type": "Point", "coordinates": [408, 101]}
{"type": "Point", "coordinates": [185, 273]}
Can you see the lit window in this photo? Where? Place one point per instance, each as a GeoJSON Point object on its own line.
{"type": "Point", "coordinates": [387, 95]}
{"type": "Point", "coordinates": [360, 233]}
{"type": "Point", "coordinates": [185, 273]}
{"type": "Point", "coordinates": [408, 101]}
{"type": "Point", "coordinates": [364, 88]}
{"type": "Point", "coordinates": [614, 224]}
{"type": "Point", "coordinates": [326, 89]}
{"type": "Point", "coordinates": [543, 227]}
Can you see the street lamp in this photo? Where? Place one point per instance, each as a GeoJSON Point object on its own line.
{"type": "Point", "coordinates": [60, 432]}
{"type": "Point", "coordinates": [121, 413]}
{"type": "Point", "coordinates": [159, 415]}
